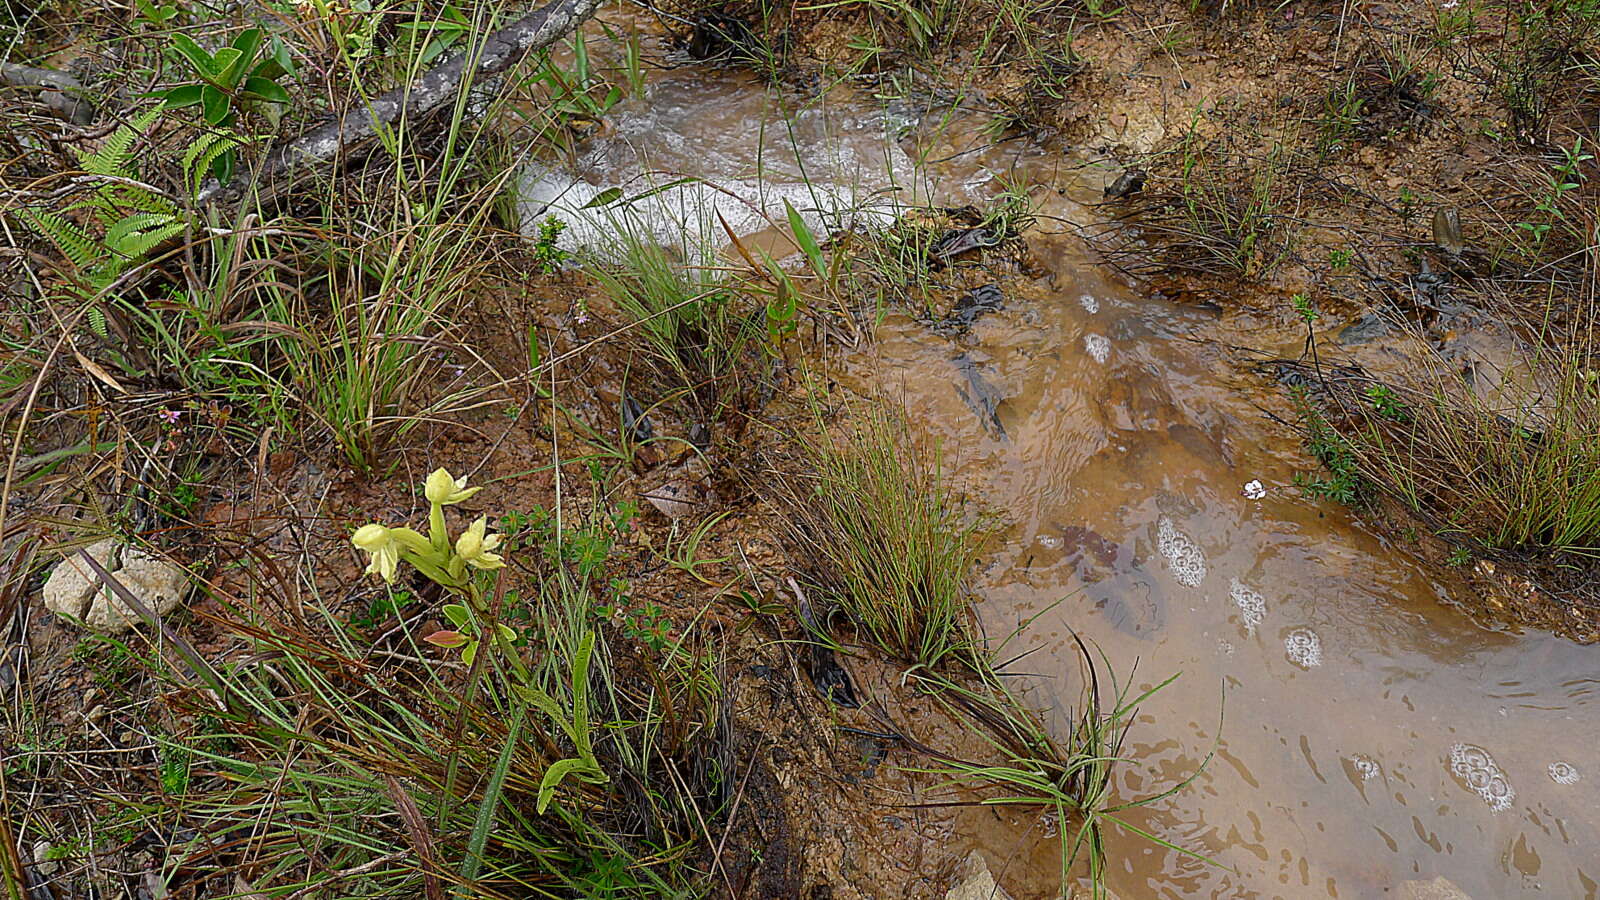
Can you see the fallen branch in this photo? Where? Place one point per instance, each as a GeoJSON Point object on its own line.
{"type": "Point", "coordinates": [322, 146]}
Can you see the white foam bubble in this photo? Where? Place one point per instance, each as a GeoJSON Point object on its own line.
{"type": "Point", "coordinates": [1252, 606]}
{"type": "Point", "coordinates": [1478, 771]}
{"type": "Point", "coordinates": [1098, 346]}
{"type": "Point", "coordinates": [1303, 647]}
{"type": "Point", "coordinates": [1049, 824]}
{"type": "Point", "coordinates": [1090, 304]}
{"type": "Point", "coordinates": [1564, 773]}
{"type": "Point", "coordinates": [1187, 560]}
{"type": "Point", "coordinates": [1365, 766]}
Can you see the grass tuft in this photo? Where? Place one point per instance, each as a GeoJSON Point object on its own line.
{"type": "Point", "coordinates": [686, 315]}
{"type": "Point", "coordinates": [1510, 461]}
{"type": "Point", "coordinates": [884, 536]}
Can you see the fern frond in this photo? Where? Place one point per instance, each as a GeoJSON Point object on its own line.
{"type": "Point", "coordinates": [74, 243]}
{"type": "Point", "coordinates": [97, 321]}
{"type": "Point", "coordinates": [202, 153]}
{"type": "Point", "coordinates": [138, 234]}
{"type": "Point", "coordinates": [114, 158]}
{"type": "Point", "coordinates": [129, 197]}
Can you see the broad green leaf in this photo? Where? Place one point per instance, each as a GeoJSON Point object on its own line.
{"type": "Point", "coordinates": [228, 67]}
{"type": "Point", "coordinates": [157, 15]}
{"type": "Point", "coordinates": [457, 614]}
{"type": "Point", "coordinates": [248, 43]}
{"type": "Point", "coordinates": [604, 198]}
{"type": "Point", "coordinates": [808, 242]}
{"type": "Point", "coordinates": [198, 59]}
{"type": "Point", "coordinates": [277, 61]}
{"type": "Point", "coordinates": [264, 89]}
{"type": "Point", "coordinates": [553, 777]}
{"type": "Point", "coordinates": [214, 106]}
{"type": "Point", "coordinates": [660, 188]}
{"type": "Point", "coordinates": [546, 704]}
{"type": "Point", "coordinates": [182, 97]}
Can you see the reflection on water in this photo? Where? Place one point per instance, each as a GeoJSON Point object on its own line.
{"type": "Point", "coordinates": [1372, 739]}
{"type": "Point", "coordinates": [1370, 736]}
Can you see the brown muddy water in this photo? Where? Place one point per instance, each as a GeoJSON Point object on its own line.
{"type": "Point", "coordinates": [1370, 735]}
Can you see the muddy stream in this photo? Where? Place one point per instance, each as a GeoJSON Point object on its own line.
{"type": "Point", "coordinates": [1371, 735]}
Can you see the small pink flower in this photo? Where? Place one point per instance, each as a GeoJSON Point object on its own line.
{"type": "Point", "coordinates": [171, 416]}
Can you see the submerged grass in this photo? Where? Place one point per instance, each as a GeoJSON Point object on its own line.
{"type": "Point", "coordinates": [1071, 780]}
{"type": "Point", "coordinates": [886, 539]}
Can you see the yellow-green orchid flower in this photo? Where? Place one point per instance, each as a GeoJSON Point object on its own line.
{"type": "Point", "coordinates": [383, 548]}
{"type": "Point", "coordinates": [443, 489]}
{"type": "Point", "coordinates": [477, 549]}
{"type": "Point", "coordinates": [385, 545]}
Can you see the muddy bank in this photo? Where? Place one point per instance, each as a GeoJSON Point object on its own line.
{"type": "Point", "coordinates": [1150, 476]}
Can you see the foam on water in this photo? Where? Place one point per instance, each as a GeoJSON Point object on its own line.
{"type": "Point", "coordinates": [1365, 766]}
{"type": "Point", "coordinates": [682, 172]}
{"type": "Point", "coordinates": [1564, 773]}
{"type": "Point", "coordinates": [1252, 606]}
{"type": "Point", "coordinates": [1303, 647]}
{"type": "Point", "coordinates": [1187, 560]}
{"type": "Point", "coordinates": [1090, 303]}
{"type": "Point", "coordinates": [1098, 346]}
{"type": "Point", "coordinates": [1478, 771]}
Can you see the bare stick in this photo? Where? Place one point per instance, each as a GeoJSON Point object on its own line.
{"type": "Point", "coordinates": [322, 146]}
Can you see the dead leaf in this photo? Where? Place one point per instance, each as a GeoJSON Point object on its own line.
{"type": "Point", "coordinates": [674, 499]}
{"type": "Point", "coordinates": [93, 368]}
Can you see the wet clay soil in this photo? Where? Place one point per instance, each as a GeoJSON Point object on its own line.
{"type": "Point", "coordinates": [1372, 737]}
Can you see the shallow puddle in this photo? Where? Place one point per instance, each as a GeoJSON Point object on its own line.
{"type": "Point", "coordinates": [1369, 735]}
